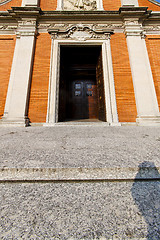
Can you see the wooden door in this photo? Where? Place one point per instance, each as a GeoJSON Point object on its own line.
{"type": "Point", "coordinates": [83, 99]}
{"type": "Point", "coordinates": [100, 89]}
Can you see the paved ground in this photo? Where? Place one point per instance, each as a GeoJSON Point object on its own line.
{"type": "Point", "coordinates": [80, 210]}
{"type": "Point", "coordinates": [75, 146]}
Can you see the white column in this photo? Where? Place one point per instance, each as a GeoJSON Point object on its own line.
{"type": "Point", "coordinates": [30, 3]}
{"type": "Point", "coordinates": [17, 97]}
{"type": "Point", "coordinates": [146, 99]}
{"type": "Point", "coordinates": [52, 111]}
{"type": "Point", "coordinates": [130, 3]}
{"type": "Point", "coordinates": [115, 121]}
{"type": "Point", "coordinates": [59, 5]}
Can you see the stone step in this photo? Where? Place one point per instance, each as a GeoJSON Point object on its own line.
{"type": "Point", "coordinates": [79, 174]}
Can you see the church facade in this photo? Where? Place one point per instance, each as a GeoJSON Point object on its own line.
{"type": "Point", "coordinates": [79, 60]}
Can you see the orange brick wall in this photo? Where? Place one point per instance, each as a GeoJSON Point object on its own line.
{"type": "Point", "coordinates": [7, 44]}
{"type": "Point", "coordinates": [49, 5]}
{"type": "Point", "coordinates": [151, 6]}
{"type": "Point", "coordinates": [40, 79]}
{"type": "Point", "coordinates": [125, 96]}
{"type": "Point", "coordinates": [153, 46]}
{"type": "Point", "coordinates": [13, 3]}
{"type": "Point", "coordinates": [111, 5]}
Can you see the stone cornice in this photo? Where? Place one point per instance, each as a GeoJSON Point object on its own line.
{"type": "Point", "coordinates": [134, 12]}
{"type": "Point", "coordinates": [24, 11]}
{"type": "Point", "coordinates": [81, 15]}
{"type": "Point", "coordinates": [48, 18]}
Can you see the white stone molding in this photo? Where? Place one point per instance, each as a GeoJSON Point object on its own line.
{"type": "Point", "coordinates": [130, 3]}
{"type": "Point", "coordinates": [114, 113]}
{"type": "Point", "coordinates": [72, 5]}
{"type": "Point", "coordinates": [152, 29]}
{"type": "Point", "coordinates": [2, 2]}
{"type": "Point", "coordinates": [79, 32]}
{"type": "Point", "coordinates": [145, 94]}
{"type": "Point", "coordinates": [53, 97]}
{"type": "Point", "coordinates": [30, 3]}
{"type": "Point", "coordinates": [18, 90]}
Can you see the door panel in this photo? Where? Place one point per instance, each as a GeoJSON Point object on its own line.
{"type": "Point", "coordinates": [100, 89]}
{"type": "Point", "coordinates": [84, 99]}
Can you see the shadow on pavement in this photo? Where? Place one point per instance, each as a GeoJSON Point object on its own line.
{"type": "Point", "coordinates": [146, 194]}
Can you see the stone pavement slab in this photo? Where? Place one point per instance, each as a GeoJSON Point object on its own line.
{"type": "Point", "coordinates": [80, 210]}
{"type": "Point", "coordinates": [80, 183]}
{"type": "Point", "coordinates": [79, 147]}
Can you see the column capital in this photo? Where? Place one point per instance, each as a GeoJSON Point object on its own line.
{"type": "Point", "coordinates": [132, 27]}
{"type": "Point", "coordinates": [26, 27]}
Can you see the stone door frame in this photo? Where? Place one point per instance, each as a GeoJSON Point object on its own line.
{"type": "Point", "coordinates": [109, 88]}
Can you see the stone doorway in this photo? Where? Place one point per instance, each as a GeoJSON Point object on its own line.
{"type": "Point", "coordinates": [81, 86]}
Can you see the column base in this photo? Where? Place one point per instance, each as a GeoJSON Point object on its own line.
{"type": "Point", "coordinates": [115, 124]}
{"type": "Point", "coordinates": [148, 121]}
{"type": "Point", "coordinates": [19, 122]}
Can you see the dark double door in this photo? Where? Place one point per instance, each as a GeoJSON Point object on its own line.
{"type": "Point", "coordinates": [81, 93]}
{"type": "Point", "coordinates": [83, 99]}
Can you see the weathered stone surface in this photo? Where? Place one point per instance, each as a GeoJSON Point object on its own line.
{"type": "Point", "coordinates": [71, 209]}
{"type": "Point", "coordinates": [79, 146]}
{"type": "Point", "coordinates": [81, 210]}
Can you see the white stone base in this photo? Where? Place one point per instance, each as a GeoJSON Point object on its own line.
{"type": "Point", "coordinates": [14, 123]}
{"type": "Point", "coordinates": [87, 124]}
{"type": "Point", "coordinates": [148, 121]}
{"type": "Point", "coordinates": [118, 124]}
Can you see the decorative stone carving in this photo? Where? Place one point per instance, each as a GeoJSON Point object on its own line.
{"type": "Point", "coordinates": [133, 28]}
{"type": "Point", "coordinates": [152, 28]}
{"type": "Point", "coordinates": [80, 32]}
{"type": "Point", "coordinates": [7, 27]}
{"type": "Point", "coordinates": [71, 5]}
{"type": "Point", "coordinates": [27, 27]}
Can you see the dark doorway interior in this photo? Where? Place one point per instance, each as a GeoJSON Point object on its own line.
{"type": "Point", "coordinates": [81, 92]}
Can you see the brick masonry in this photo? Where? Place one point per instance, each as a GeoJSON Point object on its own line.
{"type": "Point", "coordinates": [153, 46]}
{"type": "Point", "coordinates": [125, 97]}
{"type": "Point", "coordinates": [7, 44]}
{"type": "Point", "coordinates": [40, 79]}
{"type": "Point", "coordinates": [13, 3]}
{"type": "Point", "coordinates": [151, 6]}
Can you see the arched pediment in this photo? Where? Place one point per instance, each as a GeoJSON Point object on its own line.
{"type": "Point", "coordinates": [80, 32]}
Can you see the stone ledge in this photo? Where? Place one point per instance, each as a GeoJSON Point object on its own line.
{"type": "Point", "coordinates": [79, 174]}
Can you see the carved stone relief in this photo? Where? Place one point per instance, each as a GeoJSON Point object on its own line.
{"type": "Point", "coordinates": [73, 5]}
{"type": "Point", "coordinates": [152, 28]}
{"type": "Point", "coordinates": [80, 32]}
{"type": "Point", "coordinates": [96, 26]}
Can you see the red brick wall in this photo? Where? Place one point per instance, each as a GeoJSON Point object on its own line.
{"type": "Point", "coordinates": [125, 96]}
{"type": "Point", "coordinates": [153, 46]}
{"type": "Point", "coordinates": [40, 79]}
{"type": "Point", "coordinates": [49, 5]}
{"type": "Point", "coordinates": [13, 3]}
{"type": "Point", "coordinates": [151, 6]}
{"type": "Point", "coordinates": [7, 45]}
{"type": "Point", "coordinates": [111, 5]}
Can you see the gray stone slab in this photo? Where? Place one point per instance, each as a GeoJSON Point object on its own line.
{"type": "Point", "coordinates": [69, 174]}
{"type": "Point", "coordinates": [86, 210]}
{"type": "Point", "coordinates": [79, 147]}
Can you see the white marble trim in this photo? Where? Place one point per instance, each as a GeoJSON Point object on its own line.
{"type": "Point", "coordinates": [53, 96]}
